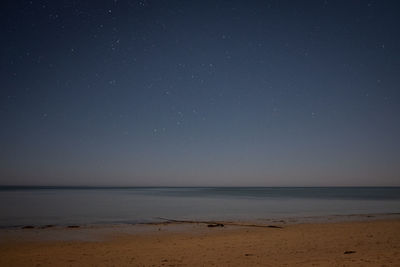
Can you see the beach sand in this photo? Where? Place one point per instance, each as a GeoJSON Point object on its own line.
{"type": "Point", "coordinates": [365, 243]}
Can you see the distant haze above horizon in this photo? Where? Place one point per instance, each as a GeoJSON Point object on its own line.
{"type": "Point", "coordinates": [200, 93]}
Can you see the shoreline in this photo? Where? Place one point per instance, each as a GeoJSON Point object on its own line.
{"type": "Point", "coordinates": [352, 243]}
{"type": "Point", "coordinates": [261, 222]}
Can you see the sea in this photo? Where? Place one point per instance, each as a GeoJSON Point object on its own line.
{"type": "Point", "coordinates": [51, 205]}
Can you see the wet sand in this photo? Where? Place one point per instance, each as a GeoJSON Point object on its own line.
{"type": "Point", "coordinates": [362, 243]}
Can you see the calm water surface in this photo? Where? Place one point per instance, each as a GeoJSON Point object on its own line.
{"type": "Point", "coordinates": [84, 205]}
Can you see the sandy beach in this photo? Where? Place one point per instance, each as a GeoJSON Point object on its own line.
{"type": "Point", "coordinates": [362, 243]}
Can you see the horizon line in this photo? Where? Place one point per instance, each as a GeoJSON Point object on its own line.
{"type": "Point", "coordinates": [182, 186]}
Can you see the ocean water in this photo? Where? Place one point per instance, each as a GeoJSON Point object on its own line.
{"type": "Point", "coordinates": [91, 205]}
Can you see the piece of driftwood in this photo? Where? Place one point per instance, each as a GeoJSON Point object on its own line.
{"type": "Point", "coordinates": [216, 225]}
{"type": "Point", "coordinates": [47, 226]}
{"type": "Point", "coordinates": [220, 224]}
{"type": "Point", "coordinates": [274, 226]}
{"type": "Point", "coordinates": [28, 227]}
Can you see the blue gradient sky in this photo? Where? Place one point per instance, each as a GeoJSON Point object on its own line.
{"type": "Point", "coordinates": [193, 93]}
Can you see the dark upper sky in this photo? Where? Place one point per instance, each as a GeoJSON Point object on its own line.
{"type": "Point", "coordinates": [200, 93]}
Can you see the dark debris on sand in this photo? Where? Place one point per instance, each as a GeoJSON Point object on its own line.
{"type": "Point", "coordinates": [216, 225]}
{"type": "Point", "coordinates": [28, 227]}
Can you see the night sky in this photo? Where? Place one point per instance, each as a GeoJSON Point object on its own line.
{"type": "Point", "coordinates": [200, 93]}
